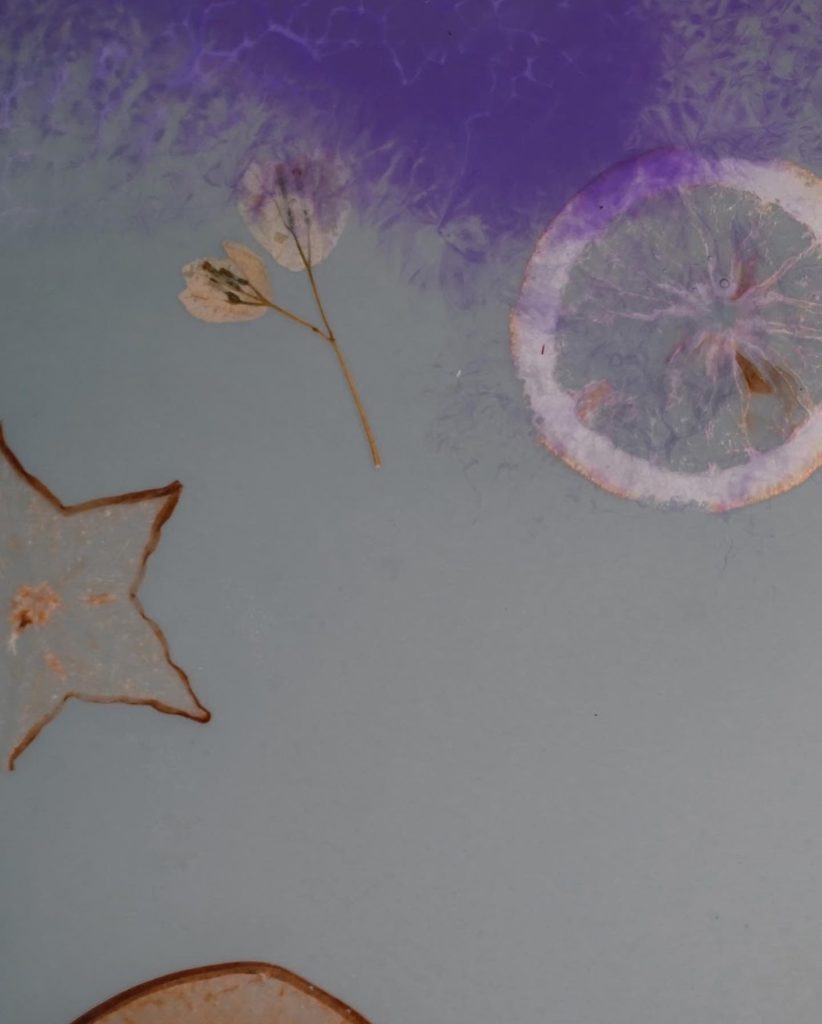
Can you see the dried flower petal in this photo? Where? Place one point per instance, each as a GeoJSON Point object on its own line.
{"type": "Point", "coordinates": [296, 210]}
{"type": "Point", "coordinates": [226, 291]}
{"type": "Point", "coordinates": [250, 267]}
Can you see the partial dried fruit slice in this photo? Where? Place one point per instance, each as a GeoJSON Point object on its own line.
{"type": "Point", "coordinates": [75, 627]}
{"type": "Point", "coordinates": [241, 993]}
{"type": "Point", "coordinates": [669, 330]}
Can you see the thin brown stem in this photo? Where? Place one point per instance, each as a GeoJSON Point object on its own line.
{"type": "Point", "coordinates": [331, 339]}
{"type": "Point", "coordinates": [316, 293]}
{"type": "Point", "coordinates": [349, 377]}
{"type": "Point", "coordinates": [297, 319]}
{"type": "Point", "coordinates": [355, 394]}
{"type": "Point", "coordinates": [288, 314]}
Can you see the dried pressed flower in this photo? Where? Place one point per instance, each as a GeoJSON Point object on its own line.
{"type": "Point", "coordinates": [225, 291]}
{"type": "Point", "coordinates": [297, 209]}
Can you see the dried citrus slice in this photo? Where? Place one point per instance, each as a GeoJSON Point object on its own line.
{"type": "Point", "coordinates": [239, 993]}
{"type": "Point", "coordinates": [669, 330]}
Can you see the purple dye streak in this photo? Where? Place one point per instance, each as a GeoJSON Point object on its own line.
{"type": "Point", "coordinates": [448, 111]}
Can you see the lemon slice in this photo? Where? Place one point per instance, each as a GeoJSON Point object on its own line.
{"type": "Point", "coordinates": [669, 330]}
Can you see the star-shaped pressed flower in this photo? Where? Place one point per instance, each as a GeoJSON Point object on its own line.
{"type": "Point", "coordinates": [74, 625]}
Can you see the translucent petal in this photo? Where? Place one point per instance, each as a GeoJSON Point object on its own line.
{"type": "Point", "coordinates": [296, 210]}
{"type": "Point", "coordinates": [210, 302]}
{"type": "Point", "coordinates": [250, 266]}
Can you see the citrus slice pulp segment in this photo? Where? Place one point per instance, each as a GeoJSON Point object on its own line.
{"type": "Point", "coordinates": [669, 330]}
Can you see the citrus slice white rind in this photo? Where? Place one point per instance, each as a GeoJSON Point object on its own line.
{"type": "Point", "coordinates": [720, 345]}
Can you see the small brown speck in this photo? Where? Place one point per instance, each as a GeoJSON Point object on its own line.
{"type": "Point", "coordinates": [55, 665]}
{"type": "Point", "coordinates": [32, 606]}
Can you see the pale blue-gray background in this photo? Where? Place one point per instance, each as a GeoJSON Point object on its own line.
{"type": "Point", "coordinates": [488, 745]}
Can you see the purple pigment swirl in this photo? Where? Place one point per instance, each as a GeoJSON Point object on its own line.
{"type": "Point", "coordinates": [453, 114]}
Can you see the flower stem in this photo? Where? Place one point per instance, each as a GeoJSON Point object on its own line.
{"type": "Point", "coordinates": [349, 377]}
{"type": "Point", "coordinates": [355, 394]}
{"type": "Point", "coordinates": [293, 316]}
{"type": "Point", "coordinates": [329, 336]}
